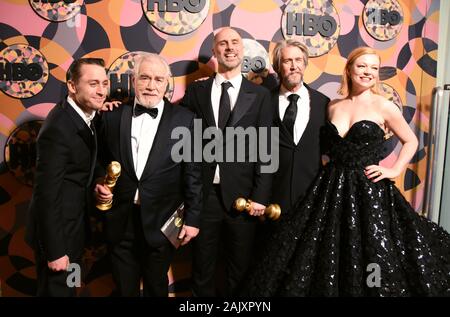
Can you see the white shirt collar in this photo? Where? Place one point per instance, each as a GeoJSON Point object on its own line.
{"type": "Point", "coordinates": [235, 81]}
{"type": "Point", "coordinates": [77, 108]}
{"type": "Point", "coordinates": [301, 91]}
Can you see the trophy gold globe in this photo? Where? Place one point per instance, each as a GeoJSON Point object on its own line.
{"type": "Point", "coordinates": [112, 174]}
{"type": "Point", "coordinates": [272, 211]}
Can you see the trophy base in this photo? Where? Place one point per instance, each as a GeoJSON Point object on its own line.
{"type": "Point", "coordinates": [273, 212]}
{"type": "Point", "coordinates": [104, 207]}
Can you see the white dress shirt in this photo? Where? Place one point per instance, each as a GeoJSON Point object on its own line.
{"type": "Point", "coordinates": [143, 131]}
{"type": "Point", "coordinates": [303, 109]}
{"type": "Point", "coordinates": [216, 92]}
{"type": "Point", "coordinates": [87, 119]}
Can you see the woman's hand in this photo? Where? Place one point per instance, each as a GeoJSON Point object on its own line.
{"type": "Point", "coordinates": [377, 173]}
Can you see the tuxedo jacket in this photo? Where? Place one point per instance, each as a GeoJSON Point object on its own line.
{"type": "Point", "coordinates": [62, 194]}
{"type": "Point", "coordinates": [252, 109]}
{"type": "Point", "coordinates": [299, 164]}
{"type": "Point", "coordinates": [164, 183]}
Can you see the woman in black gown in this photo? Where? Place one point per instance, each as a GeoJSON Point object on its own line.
{"type": "Point", "coordinates": [354, 234]}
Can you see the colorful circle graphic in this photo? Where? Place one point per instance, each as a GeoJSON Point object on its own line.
{"type": "Point", "coordinates": [25, 71]}
{"type": "Point", "coordinates": [57, 11]}
{"type": "Point", "coordinates": [176, 17]}
{"type": "Point", "coordinates": [119, 74]}
{"type": "Point", "coordinates": [383, 19]}
{"type": "Point", "coordinates": [256, 58]}
{"type": "Point", "coordinates": [391, 94]}
{"type": "Point", "coordinates": [315, 23]}
{"type": "Point", "coordinates": [256, 65]}
{"type": "Point", "coordinates": [20, 151]}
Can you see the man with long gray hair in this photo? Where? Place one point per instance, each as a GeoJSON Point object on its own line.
{"type": "Point", "coordinates": [299, 112]}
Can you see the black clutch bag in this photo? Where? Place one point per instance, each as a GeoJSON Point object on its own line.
{"type": "Point", "coordinates": [171, 229]}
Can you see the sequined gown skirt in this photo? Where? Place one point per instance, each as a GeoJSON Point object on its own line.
{"type": "Point", "coordinates": [352, 237]}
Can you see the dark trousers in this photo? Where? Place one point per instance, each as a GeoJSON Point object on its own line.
{"type": "Point", "coordinates": [221, 227]}
{"type": "Point", "coordinates": [53, 284]}
{"type": "Point", "coordinates": [133, 259]}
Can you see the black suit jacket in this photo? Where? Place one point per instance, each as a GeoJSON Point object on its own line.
{"type": "Point", "coordinates": [163, 185]}
{"type": "Point", "coordinates": [299, 164]}
{"type": "Point", "coordinates": [66, 153]}
{"type": "Point", "coordinates": [252, 109]}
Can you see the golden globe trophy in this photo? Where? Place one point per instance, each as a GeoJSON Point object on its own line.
{"type": "Point", "coordinates": [273, 211]}
{"type": "Point", "coordinates": [112, 174]}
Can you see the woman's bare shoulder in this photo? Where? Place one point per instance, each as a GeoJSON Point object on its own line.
{"type": "Point", "coordinates": [385, 104]}
{"type": "Point", "coordinates": [334, 105]}
{"type": "Point", "coordinates": [337, 102]}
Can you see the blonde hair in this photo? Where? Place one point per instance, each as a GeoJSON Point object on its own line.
{"type": "Point", "coordinates": [276, 61]}
{"type": "Point", "coordinates": [346, 83]}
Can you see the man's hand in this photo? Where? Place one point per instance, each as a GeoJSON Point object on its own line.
{"type": "Point", "coordinates": [202, 79]}
{"type": "Point", "coordinates": [60, 264]}
{"type": "Point", "coordinates": [257, 78]}
{"type": "Point", "coordinates": [256, 209]}
{"type": "Point", "coordinates": [187, 233]}
{"type": "Point", "coordinates": [102, 193]}
{"type": "Point", "coordinates": [109, 105]}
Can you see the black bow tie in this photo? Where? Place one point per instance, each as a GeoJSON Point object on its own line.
{"type": "Point", "coordinates": [139, 109]}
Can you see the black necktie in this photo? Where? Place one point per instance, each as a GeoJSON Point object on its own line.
{"type": "Point", "coordinates": [139, 109]}
{"type": "Point", "coordinates": [291, 113]}
{"type": "Point", "coordinates": [224, 105]}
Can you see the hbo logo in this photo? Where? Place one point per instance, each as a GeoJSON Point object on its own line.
{"type": "Point", "coordinates": [383, 17]}
{"type": "Point", "coordinates": [310, 24]}
{"type": "Point", "coordinates": [20, 71]}
{"type": "Point", "coordinates": [120, 88]}
{"type": "Point", "coordinates": [192, 6]}
{"type": "Point", "coordinates": [256, 64]}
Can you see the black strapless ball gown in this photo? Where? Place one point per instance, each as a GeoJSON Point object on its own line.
{"type": "Point", "coordinates": [352, 237]}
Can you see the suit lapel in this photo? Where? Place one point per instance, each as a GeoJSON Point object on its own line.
{"type": "Point", "coordinates": [204, 97]}
{"type": "Point", "coordinates": [313, 116]}
{"type": "Point", "coordinates": [93, 156]}
{"type": "Point", "coordinates": [244, 101]}
{"type": "Point", "coordinates": [86, 135]}
{"type": "Point", "coordinates": [82, 128]}
{"type": "Point", "coordinates": [160, 142]}
{"type": "Point", "coordinates": [125, 139]}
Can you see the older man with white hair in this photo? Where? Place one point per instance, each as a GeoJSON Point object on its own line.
{"type": "Point", "coordinates": [151, 184]}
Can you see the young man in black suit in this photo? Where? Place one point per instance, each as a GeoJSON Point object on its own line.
{"type": "Point", "coordinates": [228, 101]}
{"type": "Point", "coordinates": [152, 183]}
{"type": "Point", "coordinates": [299, 111]}
{"type": "Point", "coordinates": [66, 155]}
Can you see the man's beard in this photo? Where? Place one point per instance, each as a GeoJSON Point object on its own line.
{"type": "Point", "coordinates": [146, 103]}
{"type": "Point", "coordinates": [292, 81]}
{"type": "Point", "coordinates": [231, 65]}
